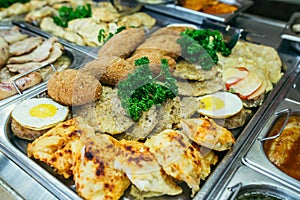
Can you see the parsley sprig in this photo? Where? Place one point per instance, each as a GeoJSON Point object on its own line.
{"type": "Point", "coordinates": [66, 14]}
{"type": "Point", "coordinates": [201, 47]}
{"type": "Point", "coordinates": [7, 3]}
{"type": "Point", "coordinates": [103, 37]}
{"type": "Point", "coordinates": [141, 90]}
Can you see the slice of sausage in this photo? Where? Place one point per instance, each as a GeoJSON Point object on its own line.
{"type": "Point", "coordinates": [7, 88]}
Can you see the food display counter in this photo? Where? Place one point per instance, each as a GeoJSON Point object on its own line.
{"type": "Point", "coordinates": [242, 169]}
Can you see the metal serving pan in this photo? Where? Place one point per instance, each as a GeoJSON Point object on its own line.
{"type": "Point", "coordinates": [256, 156]}
{"type": "Point", "coordinates": [74, 55]}
{"type": "Point", "coordinates": [175, 10]}
{"type": "Point", "coordinates": [15, 149]}
{"type": "Point", "coordinates": [246, 181]}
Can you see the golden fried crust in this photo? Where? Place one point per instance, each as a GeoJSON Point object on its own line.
{"type": "Point", "coordinates": [178, 157]}
{"type": "Point", "coordinates": [72, 87]}
{"type": "Point", "coordinates": [94, 174]}
{"type": "Point", "coordinates": [25, 133]}
{"type": "Point", "coordinates": [56, 147]}
{"type": "Point", "coordinates": [123, 44]}
{"type": "Point", "coordinates": [155, 60]}
{"type": "Point", "coordinates": [206, 132]}
{"type": "Point", "coordinates": [109, 70]}
{"type": "Point", "coordinates": [164, 44]}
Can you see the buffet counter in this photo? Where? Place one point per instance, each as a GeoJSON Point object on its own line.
{"type": "Point", "coordinates": [235, 168]}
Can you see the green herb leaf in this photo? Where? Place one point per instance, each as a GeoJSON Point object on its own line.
{"type": "Point", "coordinates": [102, 38]}
{"type": "Point", "coordinates": [201, 47]}
{"type": "Point", "coordinates": [7, 3]}
{"type": "Point", "coordinates": [140, 91]}
{"type": "Point", "coordinates": [66, 14]}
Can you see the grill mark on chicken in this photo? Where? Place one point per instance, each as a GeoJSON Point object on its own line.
{"type": "Point", "coordinates": [41, 53]}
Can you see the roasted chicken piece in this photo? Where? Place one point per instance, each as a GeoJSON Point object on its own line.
{"type": "Point", "coordinates": [178, 157]}
{"type": "Point", "coordinates": [142, 169]}
{"type": "Point", "coordinates": [72, 148]}
{"type": "Point", "coordinates": [94, 173]}
{"type": "Point", "coordinates": [58, 146]}
{"type": "Point", "coordinates": [207, 133]}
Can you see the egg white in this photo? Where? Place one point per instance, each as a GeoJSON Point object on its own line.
{"type": "Point", "coordinates": [21, 114]}
{"type": "Point", "coordinates": [232, 105]}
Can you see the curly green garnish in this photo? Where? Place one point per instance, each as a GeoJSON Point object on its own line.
{"type": "Point", "coordinates": [140, 91]}
{"type": "Point", "coordinates": [201, 47]}
{"type": "Point", "coordinates": [66, 14]}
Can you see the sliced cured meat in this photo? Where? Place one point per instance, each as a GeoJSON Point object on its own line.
{"type": "Point", "coordinates": [41, 53]}
{"type": "Point", "coordinates": [22, 68]}
{"type": "Point", "coordinates": [13, 35]}
{"type": "Point", "coordinates": [7, 88]}
{"type": "Point", "coordinates": [24, 46]}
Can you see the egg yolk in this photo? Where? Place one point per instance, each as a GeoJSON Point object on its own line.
{"type": "Point", "coordinates": [211, 103]}
{"type": "Point", "coordinates": [43, 110]}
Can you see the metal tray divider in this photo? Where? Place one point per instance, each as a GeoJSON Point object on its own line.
{"type": "Point", "coordinates": [28, 72]}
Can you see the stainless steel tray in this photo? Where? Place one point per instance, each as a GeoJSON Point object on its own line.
{"type": "Point", "coordinates": [73, 54]}
{"type": "Point", "coordinates": [177, 11]}
{"type": "Point", "coordinates": [246, 180]}
{"type": "Point", "coordinates": [256, 156]}
{"type": "Point", "coordinates": [15, 149]}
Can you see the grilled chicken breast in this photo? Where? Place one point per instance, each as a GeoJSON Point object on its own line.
{"type": "Point", "coordinates": [56, 147]}
{"type": "Point", "coordinates": [142, 169]}
{"type": "Point", "coordinates": [178, 157]}
{"type": "Point", "coordinates": [94, 173]}
{"type": "Point", "coordinates": [206, 132]}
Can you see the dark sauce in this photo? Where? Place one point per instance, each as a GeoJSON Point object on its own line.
{"type": "Point", "coordinates": [257, 196]}
{"type": "Point", "coordinates": [289, 137]}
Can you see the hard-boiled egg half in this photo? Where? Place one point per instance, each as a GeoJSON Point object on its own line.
{"type": "Point", "coordinates": [39, 113]}
{"type": "Point", "coordinates": [220, 105]}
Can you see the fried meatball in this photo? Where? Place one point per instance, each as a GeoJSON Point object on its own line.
{"type": "Point", "coordinates": [72, 87]}
{"type": "Point", "coordinates": [165, 44]}
{"type": "Point", "coordinates": [25, 133]}
{"type": "Point", "coordinates": [123, 44]}
{"type": "Point", "coordinates": [109, 70]}
{"type": "Point", "coordinates": [154, 59]}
